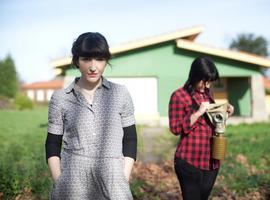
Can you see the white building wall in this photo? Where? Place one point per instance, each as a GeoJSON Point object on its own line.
{"type": "Point", "coordinates": [31, 94]}
{"type": "Point", "coordinates": [49, 93]}
{"type": "Point", "coordinates": [40, 95]}
{"type": "Point", "coordinates": [259, 109]}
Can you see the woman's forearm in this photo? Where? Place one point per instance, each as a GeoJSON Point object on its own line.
{"type": "Point", "coordinates": [129, 162]}
{"type": "Point", "coordinates": [194, 117]}
{"type": "Point", "coordinates": [54, 166]}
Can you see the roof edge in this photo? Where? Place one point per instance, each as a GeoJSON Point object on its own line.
{"type": "Point", "coordinates": [225, 53]}
{"type": "Point", "coordinates": [190, 33]}
{"type": "Point", "coordinates": [187, 32]}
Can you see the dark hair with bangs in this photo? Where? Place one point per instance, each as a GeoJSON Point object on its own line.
{"type": "Point", "coordinates": [92, 45]}
{"type": "Point", "coordinates": [201, 69]}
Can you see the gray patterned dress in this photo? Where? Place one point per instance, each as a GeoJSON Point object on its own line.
{"type": "Point", "coordinates": [92, 163]}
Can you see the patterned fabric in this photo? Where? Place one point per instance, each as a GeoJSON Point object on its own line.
{"type": "Point", "coordinates": [195, 141]}
{"type": "Point", "coordinates": [93, 132]}
{"type": "Point", "coordinates": [84, 178]}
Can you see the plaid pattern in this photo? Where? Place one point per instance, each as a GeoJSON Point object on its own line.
{"type": "Point", "coordinates": [195, 141]}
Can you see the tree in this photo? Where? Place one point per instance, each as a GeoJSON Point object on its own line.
{"type": "Point", "coordinates": [8, 78]}
{"type": "Point", "coordinates": [250, 43]}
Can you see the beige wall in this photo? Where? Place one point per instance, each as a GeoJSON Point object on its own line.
{"type": "Point", "coordinates": [267, 100]}
{"type": "Point", "coordinates": [40, 95]}
{"type": "Point", "coordinates": [221, 97]}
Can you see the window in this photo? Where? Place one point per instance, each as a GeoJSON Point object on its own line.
{"type": "Point", "coordinates": [220, 86]}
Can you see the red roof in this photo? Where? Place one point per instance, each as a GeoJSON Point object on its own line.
{"type": "Point", "coordinates": [53, 84]}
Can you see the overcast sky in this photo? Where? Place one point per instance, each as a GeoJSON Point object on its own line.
{"type": "Point", "coordinates": [35, 32]}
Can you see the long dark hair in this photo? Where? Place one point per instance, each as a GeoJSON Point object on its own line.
{"type": "Point", "coordinates": [90, 44]}
{"type": "Point", "coordinates": [202, 68]}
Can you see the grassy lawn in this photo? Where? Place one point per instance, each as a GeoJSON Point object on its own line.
{"type": "Point", "coordinates": [22, 159]}
{"type": "Point", "coordinates": [23, 169]}
{"type": "Point", "coordinates": [247, 166]}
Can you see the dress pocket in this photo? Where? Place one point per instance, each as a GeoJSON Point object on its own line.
{"type": "Point", "coordinates": [72, 143]}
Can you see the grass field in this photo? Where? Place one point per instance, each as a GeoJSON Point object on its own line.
{"type": "Point", "coordinates": [22, 159]}
{"type": "Point", "coordinates": [23, 169]}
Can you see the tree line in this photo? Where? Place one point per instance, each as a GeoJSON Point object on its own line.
{"type": "Point", "coordinates": [8, 78]}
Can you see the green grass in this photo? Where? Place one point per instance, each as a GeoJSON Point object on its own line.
{"type": "Point", "coordinates": [23, 166]}
{"type": "Point", "coordinates": [247, 165]}
{"type": "Point", "coordinates": [22, 158]}
{"type": "Point", "coordinates": [252, 140]}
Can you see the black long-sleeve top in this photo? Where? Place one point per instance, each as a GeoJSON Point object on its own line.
{"type": "Point", "coordinates": [54, 142]}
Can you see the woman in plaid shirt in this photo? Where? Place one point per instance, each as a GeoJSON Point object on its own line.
{"type": "Point", "coordinates": [195, 169]}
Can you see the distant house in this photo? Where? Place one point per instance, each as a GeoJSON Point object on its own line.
{"type": "Point", "coordinates": [154, 67]}
{"type": "Point", "coordinates": [267, 96]}
{"type": "Point", "coordinates": [41, 92]}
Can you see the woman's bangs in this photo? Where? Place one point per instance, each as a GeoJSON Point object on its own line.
{"type": "Point", "coordinates": [93, 49]}
{"type": "Point", "coordinates": [92, 53]}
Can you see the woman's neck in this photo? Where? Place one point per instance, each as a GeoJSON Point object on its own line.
{"type": "Point", "coordinates": [89, 86]}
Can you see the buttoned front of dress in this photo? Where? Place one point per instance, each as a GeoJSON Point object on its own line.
{"type": "Point", "coordinates": [92, 130]}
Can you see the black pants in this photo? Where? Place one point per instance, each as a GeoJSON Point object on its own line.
{"type": "Point", "coordinates": [196, 184]}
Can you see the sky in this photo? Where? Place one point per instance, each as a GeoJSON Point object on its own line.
{"type": "Point", "coordinates": [35, 32]}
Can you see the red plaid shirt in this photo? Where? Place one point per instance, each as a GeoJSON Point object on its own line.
{"type": "Point", "coordinates": [195, 141]}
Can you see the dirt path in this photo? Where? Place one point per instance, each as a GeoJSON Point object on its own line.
{"type": "Point", "coordinates": [155, 145]}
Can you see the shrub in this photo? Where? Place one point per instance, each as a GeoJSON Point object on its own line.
{"type": "Point", "coordinates": [4, 102]}
{"type": "Point", "coordinates": [22, 102]}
